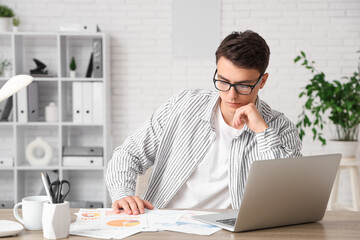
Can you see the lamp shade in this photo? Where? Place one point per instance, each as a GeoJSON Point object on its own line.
{"type": "Point", "coordinates": [13, 85]}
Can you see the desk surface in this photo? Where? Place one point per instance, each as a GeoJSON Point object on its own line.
{"type": "Point", "coordinates": [335, 225]}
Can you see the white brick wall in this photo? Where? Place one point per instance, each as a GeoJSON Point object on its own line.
{"type": "Point", "coordinates": [144, 74]}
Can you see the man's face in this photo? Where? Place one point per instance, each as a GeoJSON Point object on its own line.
{"type": "Point", "coordinates": [231, 100]}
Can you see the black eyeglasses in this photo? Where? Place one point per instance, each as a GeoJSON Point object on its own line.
{"type": "Point", "coordinates": [243, 89]}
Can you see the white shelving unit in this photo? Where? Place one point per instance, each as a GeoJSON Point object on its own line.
{"type": "Point", "coordinates": [55, 50]}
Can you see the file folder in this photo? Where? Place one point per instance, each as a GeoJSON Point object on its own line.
{"type": "Point", "coordinates": [77, 102]}
{"type": "Point", "coordinates": [22, 105]}
{"type": "Point", "coordinates": [97, 58]}
{"type": "Point", "coordinates": [33, 102]}
{"type": "Point", "coordinates": [98, 106]}
{"type": "Point", "coordinates": [87, 102]}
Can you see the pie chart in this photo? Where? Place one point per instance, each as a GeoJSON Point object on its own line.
{"type": "Point", "coordinates": [123, 223]}
{"type": "Point", "coordinates": [90, 214]}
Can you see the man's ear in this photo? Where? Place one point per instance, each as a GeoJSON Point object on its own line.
{"type": "Point", "coordinates": [263, 80]}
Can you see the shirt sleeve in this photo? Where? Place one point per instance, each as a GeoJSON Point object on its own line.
{"type": "Point", "coordinates": [281, 140]}
{"type": "Point", "coordinates": [136, 154]}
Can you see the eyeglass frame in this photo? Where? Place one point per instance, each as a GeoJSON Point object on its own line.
{"type": "Point", "coordinates": [236, 84]}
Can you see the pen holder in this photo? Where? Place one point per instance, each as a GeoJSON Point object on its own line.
{"type": "Point", "coordinates": [56, 220]}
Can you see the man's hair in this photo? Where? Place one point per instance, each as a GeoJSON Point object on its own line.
{"type": "Point", "coordinates": [245, 50]}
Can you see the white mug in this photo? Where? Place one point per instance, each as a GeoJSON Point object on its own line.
{"type": "Point", "coordinates": [32, 208]}
{"type": "Point", "coordinates": [56, 220]}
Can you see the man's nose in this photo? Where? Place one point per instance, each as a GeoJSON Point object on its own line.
{"type": "Point", "coordinates": [232, 92]}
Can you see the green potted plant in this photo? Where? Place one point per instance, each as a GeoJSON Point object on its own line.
{"type": "Point", "coordinates": [72, 68]}
{"type": "Point", "coordinates": [16, 23]}
{"type": "Point", "coordinates": [337, 101]}
{"type": "Point", "coordinates": [6, 14]}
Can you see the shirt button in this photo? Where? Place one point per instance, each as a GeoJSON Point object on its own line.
{"type": "Point", "coordinates": [196, 160]}
{"type": "Point", "coordinates": [179, 182]}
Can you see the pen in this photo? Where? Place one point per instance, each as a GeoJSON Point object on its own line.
{"type": "Point", "coordinates": [47, 187]}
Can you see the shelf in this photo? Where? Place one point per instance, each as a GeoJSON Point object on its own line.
{"type": "Point", "coordinates": [43, 79]}
{"type": "Point", "coordinates": [84, 168]}
{"type": "Point", "coordinates": [38, 124]}
{"type": "Point", "coordinates": [36, 168]}
{"type": "Point", "coordinates": [82, 79]}
{"type": "Point", "coordinates": [72, 124]}
{"type": "Point", "coordinates": [28, 118]}
{"type": "Point", "coordinates": [5, 124]}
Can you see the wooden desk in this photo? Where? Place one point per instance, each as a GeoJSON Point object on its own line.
{"type": "Point", "coordinates": [335, 225]}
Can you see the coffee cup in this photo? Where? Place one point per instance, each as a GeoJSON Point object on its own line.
{"type": "Point", "coordinates": [32, 208]}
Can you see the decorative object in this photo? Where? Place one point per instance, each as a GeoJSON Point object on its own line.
{"type": "Point", "coordinates": [38, 152]}
{"type": "Point", "coordinates": [39, 71]}
{"type": "Point", "coordinates": [6, 68]}
{"type": "Point", "coordinates": [51, 112]}
{"type": "Point", "coordinates": [72, 68]}
{"type": "Point", "coordinates": [6, 14]}
{"type": "Point", "coordinates": [341, 99]}
{"type": "Point", "coordinates": [16, 23]}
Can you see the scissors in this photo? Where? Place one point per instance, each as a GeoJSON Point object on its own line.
{"type": "Point", "coordinates": [56, 190]}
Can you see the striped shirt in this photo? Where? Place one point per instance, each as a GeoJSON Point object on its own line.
{"type": "Point", "coordinates": [177, 138]}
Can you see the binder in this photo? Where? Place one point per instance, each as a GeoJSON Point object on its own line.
{"type": "Point", "coordinates": [82, 151]}
{"type": "Point", "coordinates": [87, 102]}
{"type": "Point", "coordinates": [97, 58]}
{"type": "Point", "coordinates": [98, 106]}
{"type": "Point", "coordinates": [33, 102]}
{"type": "Point", "coordinates": [6, 162]}
{"type": "Point", "coordinates": [22, 110]}
{"type": "Point", "coordinates": [77, 102]}
{"type": "Point", "coordinates": [82, 161]}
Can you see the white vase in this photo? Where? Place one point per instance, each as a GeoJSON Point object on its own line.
{"type": "Point", "coordinates": [72, 74]}
{"type": "Point", "coordinates": [7, 73]}
{"type": "Point", "coordinates": [4, 24]}
{"type": "Point", "coordinates": [346, 148]}
{"type": "Point", "coordinates": [15, 29]}
{"type": "Point", "coordinates": [51, 112]}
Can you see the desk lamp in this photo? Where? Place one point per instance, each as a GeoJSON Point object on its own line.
{"type": "Point", "coordinates": [13, 85]}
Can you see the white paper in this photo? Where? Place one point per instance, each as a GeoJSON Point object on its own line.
{"type": "Point", "coordinates": [105, 224]}
{"type": "Point", "coordinates": [188, 225]}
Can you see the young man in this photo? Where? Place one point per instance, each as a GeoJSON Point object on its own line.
{"type": "Point", "coordinates": [202, 143]}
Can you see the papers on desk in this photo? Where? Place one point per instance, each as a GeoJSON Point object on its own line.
{"type": "Point", "coordinates": [105, 224]}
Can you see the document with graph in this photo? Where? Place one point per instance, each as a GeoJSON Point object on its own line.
{"type": "Point", "coordinates": [105, 224]}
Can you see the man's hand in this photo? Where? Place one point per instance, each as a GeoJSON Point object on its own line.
{"type": "Point", "coordinates": [132, 205]}
{"type": "Point", "coordinates": [250, 115]}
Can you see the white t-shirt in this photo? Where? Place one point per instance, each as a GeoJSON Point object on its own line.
{"type": "Point", "coordinates": [208, 186]}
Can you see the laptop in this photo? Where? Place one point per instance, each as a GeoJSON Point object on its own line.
{"type": "Point", "coordinates": [281, 192]}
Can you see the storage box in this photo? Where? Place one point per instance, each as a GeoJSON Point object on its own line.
{"type": "Point", "coordinates": [82, 161]}
{"type": "Point", "coordinates": [6, 162]}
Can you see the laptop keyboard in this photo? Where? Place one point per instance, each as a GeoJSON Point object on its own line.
{"type": "Point", "coordinates": [230, 221]}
